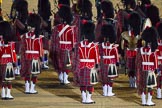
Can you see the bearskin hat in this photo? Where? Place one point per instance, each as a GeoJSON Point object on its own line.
{"type": "Point", "coordinates": [131, 3]}
{"type": "Point", "coordinates": [152, 12]}
{"type": "Point", "coordinates": [150, 36]}
{"type": "Point", "coordinates": [34, 21]}
{"type": "Point", "coordinates": [65, 2]}
{"type": "Point", "coordinates": [21, 7]}
{"type": "Point", "coordinates": [159, 29]}
{"type": "Point", "coordinates": [107, 8]}
{"type": "Point", "coordinates": [144, 2]}
{"type": "Point", "coordinates": [6, 31]}
{"type": "Point", "coordinates": [65, 13]}
{"type": "Point", "coordinates": [44, 9]}
{"type": "Point", "coordinates": [85, 7]}
{"type": "Point", "coordinates": [135, 22]}
{"type": "Point", "coordinates": [108, 32]}
{"type": "Point", "coordinates": [87, 30]}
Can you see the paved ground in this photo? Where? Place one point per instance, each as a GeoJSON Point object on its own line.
{"type": "Point", "coordinates": [53, 95]}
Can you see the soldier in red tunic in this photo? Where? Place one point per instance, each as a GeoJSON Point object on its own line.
{"type": "Point", "coordinates": [62, 42]}
{"type": "Point", "coordinates": [159, 53]}
{"type": "Point", "coordinates": [109, 58]}
{"type": "Point", "coordinates": [86, 62]}
{"type": "Point", "coordinates": [7, 60]}
{"type": "Point", "coordinates": [146, 64]}
{"type": "Point", "coordinates": [31, 51]}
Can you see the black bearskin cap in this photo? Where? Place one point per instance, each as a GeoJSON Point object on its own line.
{"type": "Point", "coordinates": [65, 13]}
{"type": "Point", "coordinates": [135, 22]}
{"type": "Point", "coordinates": [65, 2]}
{"type": "Point", "coordinates": [44, 9]}
{"type": "Point", "coordinates": [150, 35]}
{"type": "Point", "coordinates": [6, 31]}
{"type": "Point", "coordinates": [153, 13]}
{"type": "Point", "coordinates": [85, 8]}
{"type": "Point", "coordinates": [108, 32]}
{"type": "Point", "coordinates": [107, 8]}
{"type": "Point", "coordinates": [159, 29]}
{"type": "Point", "coordinates": [144, 2]}
{"type": "Point", "coordinates": [34, 20]}
{"type": "Point", "coordinates": [21, 5]}
{"type": "Point", "coordinates": [131, 3]}
{"type": "Point", "coordinates": [87, 30]}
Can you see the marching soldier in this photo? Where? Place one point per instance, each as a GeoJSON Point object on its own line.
{"type": "Point", "coordinates": [146, 64]}
{"type": "Point", "coordinates": [31, 51]}
{"type": "Point", "coordinates": [62, 42]}
{"type": "Point", "coordinates": [7, 60]}
{"type": "Point", "coordinates": [86, 62]}
{"type": "Point", "coordinates": [130, 43]}
{"type": "Point", "coordinates": [159, 53]}
{"type": "Point", "coordinates": [109, 59]}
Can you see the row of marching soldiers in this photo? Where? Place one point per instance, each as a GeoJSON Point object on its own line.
{"type": "Point", "coordinates": [131, 35]}
{"type": "Point", "coordinates": [93, 52]}
{"type": "Point", "coordinates": [21, 47]}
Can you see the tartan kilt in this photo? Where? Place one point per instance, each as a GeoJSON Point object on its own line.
{"type": "Point", "coordinates": [2, 72]}
{"type": "Point", "coordinates": [104, 74]}
{"type": "Point", "coordinates": [131, 66]}
{"type": "Point", "coordinates": [142, 81]}
{"type": "Point", "coordinates": [84, 75]}
{"type": "Point", "coordinates": [26, 67]}
{"type": "Point", "coordinates": [62, 58]}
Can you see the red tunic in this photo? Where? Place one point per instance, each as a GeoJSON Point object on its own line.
{"type": "Point", "coordinates": [88, 54]}
{"type": "Point", "coordinates": [145, 61]}
{"type": "Point", "coordinates": [109, 55]}
{"type": "Point", "coordinates": [62, 42]}
{"type": "Point", "coordinates": [32, 48]}
{"type": "Point", "coordinates": [159, 54]}
{"type": "Point", "coordinates": [8, 53]}
{"type": "Point", "coordinates": [149, 59]}
{"type": "Point", "coordinates": [67, 36]}
{"type": "Point", "coordinates": [87, 57]}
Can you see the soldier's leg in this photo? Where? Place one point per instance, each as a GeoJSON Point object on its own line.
{"type": "Point", "coordinates": [149, 100]}
{"type": "Point", "coordinates": [89, 100]}
{"type": "Point", "coordinates": [33, 84]}
{"type": "Point", "coordinates": [9, 87]}
{"type": "Point", "coordinates": [110, 86]}
{"type": "Point", "coordinates": [159, 96]}
{"type": "Point", "coordinates": [27, 84]}
{"type": "Point", "coordinates": [83, 93]}
{"type": "Point", "coordinates": [3, 90]}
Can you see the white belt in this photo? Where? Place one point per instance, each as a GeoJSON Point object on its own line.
{"type": "Point", "coordinates": [147, 63]}
{"type": "Point", "coordinates": [6, 56]}
{"type": "Point", "coordinates": [65, 42]}
{"type": "Point", "coordinates": [108, 57]}
{"type": "Point", "coordinates": [159, 57]}
{"type": "Point", "coordinates": [31, 52]}
{"type": "Point", "coordinates": [87, 60]}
